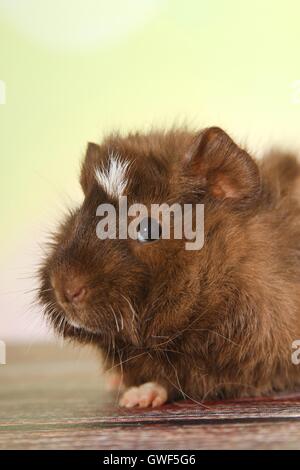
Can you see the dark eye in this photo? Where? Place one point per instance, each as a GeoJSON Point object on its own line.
{"type": "Point", "coordinates": [149, 230]}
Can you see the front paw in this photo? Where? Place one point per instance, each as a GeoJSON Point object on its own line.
{"type": "Point", "coordinates": [148, 394]}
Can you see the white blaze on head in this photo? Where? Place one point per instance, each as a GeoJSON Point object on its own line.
{"type": "Point", "coordinates": [113, 178]}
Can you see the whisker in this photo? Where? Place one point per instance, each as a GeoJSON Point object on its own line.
{"type": "Point", "coordinates": [228, 383]}
{"type": "Point", "coordinates": [215, 332]}
{"type": "Point", "coordinates": [127, 360]}
{"type": "Point", "coordinates": [188, 396]}
{"type": "Point", "coordinates": [122, 320]}
{"type": "Point", "coordinates": [117, 324]}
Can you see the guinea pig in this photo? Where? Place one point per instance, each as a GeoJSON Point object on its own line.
{"type": "Point", "coordinates": [171, 323]}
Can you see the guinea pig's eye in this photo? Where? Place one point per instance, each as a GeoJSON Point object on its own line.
{"type": "Point", "coordinates": [148, 230]}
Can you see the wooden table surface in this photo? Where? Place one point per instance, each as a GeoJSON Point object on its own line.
{"type": "Point", "coordinates": [53, 397]}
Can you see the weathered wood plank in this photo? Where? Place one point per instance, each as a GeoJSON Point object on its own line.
{"type": "Point", "coordinates": [54, 398]}
{"type": "Point", "coordinates": [73, 413]}
{"type": "Point", "coordinates": [222, 436]}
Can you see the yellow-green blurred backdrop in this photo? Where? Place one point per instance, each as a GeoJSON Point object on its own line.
{"type": "Point", "coordinates": [74, 70]}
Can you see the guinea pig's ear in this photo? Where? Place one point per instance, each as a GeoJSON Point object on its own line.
{"type": "Point", "coordinates": [225, 170]}
{"type": "Point", "coordinates": [89, 164]}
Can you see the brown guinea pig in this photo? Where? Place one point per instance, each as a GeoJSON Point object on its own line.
{"type": "Point", "coordinates": [176, 323]}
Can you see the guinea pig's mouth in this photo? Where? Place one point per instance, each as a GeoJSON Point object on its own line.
{"type": "Point", "coordinates": [76, 322]}
{"type": "Point", "coordinates": [77, 318]}
{"type": "Point", "coordinates": [74, 305]}
{"type": "Point", "coordinates": [78, 325]}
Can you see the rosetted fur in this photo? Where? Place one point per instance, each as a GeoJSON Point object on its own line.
{"type": "Point", "coordinates": [218, 322]}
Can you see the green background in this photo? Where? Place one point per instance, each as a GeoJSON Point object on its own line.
{"type": "Point", "coordinates": [76, 70]}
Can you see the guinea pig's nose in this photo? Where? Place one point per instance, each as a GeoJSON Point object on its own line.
{"type": "Point", "coordinates": [75, 293]}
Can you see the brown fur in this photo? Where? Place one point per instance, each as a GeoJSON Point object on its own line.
{"type": "Point", "coordinates": [210, 323]}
